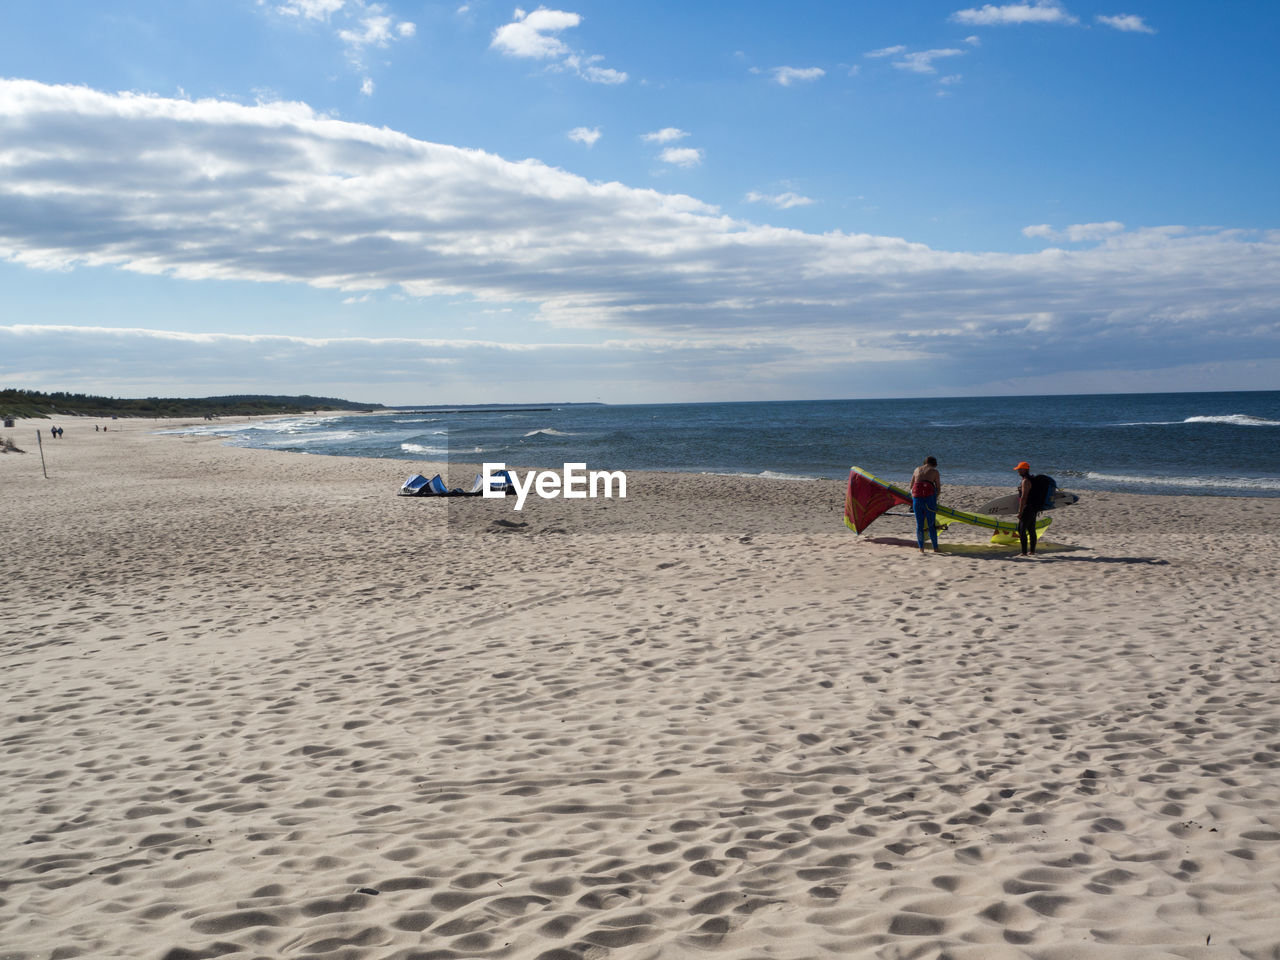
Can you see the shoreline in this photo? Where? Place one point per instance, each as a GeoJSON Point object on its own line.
{"type": "Point", "coordinates": [414, 464]}
{"type": "Point", "coordinates": [261, 704]}
{"type": "Point", "coordinates": [1086, 483]}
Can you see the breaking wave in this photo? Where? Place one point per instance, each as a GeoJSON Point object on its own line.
{"type": "Point", "coordinates": [422, 448]}
{"type": "Point", "coordinates": [1236, 420]}
{"type": "Point", "coordinates": [1231, 419]}
{"type": "Point", "coordinates": [1188, 483]}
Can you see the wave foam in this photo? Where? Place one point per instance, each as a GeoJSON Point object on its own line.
{"type": "Point", "coordinates": [1194, 483]}
{"type": "Point", "coordinates": [765, 475]}
{"type": "Point", "coordinates": [1231, 419]}
{"type": "Point", "coordinates": [1236, 420]}
{"type": "Point", "coordinates": [292, 425]}
{"type": "Point", "coordinates": [438, 451]}
{"type": "Point", "coordinates": [287, 427]}
{"type": "Point", "coordinates": [550, 432]}
{"type": "Point", "coordinates": [294, 439]}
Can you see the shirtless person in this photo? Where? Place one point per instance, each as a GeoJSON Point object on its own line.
{"type": "Point", "coordinates": [926, 484]}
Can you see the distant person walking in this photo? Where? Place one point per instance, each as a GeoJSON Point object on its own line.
{"type": "Point", "coordinates": [1027, 507]}
{"type": "Point", "coordinates": [926, 484]}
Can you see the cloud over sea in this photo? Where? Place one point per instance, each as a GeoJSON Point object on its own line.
{"type": "Point", "coordinates": [279, 193]}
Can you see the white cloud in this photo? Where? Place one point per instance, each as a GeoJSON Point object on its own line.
{"type": "Point", "coordinates": [366, 87]}
{"type": "Point", "coordinates": [1127, 22]}
{"type": "Point", "coordinates": [374, 29]}
{"type": "Point", "coordinates": [259, 339]}
{"type": "Point", "coordinates": [605, 75]}
{"type": "Point", "coordinates": [665, 135]}
{"type": "Point", "coordinates": [786, 76]}
{"type": "Point", "coordinates": [375, 369]}
{"type": "Point", "coordinates": [589, 69]}
{"type": "Point", "coordinates": [276, 193]}
{"type": "Point", "coordinates": [1076, 233]}
{"type": "Point", "coordinates": [311, 9]}
{"type": "Point", "coordinates": [975, 41]}
{"type": "Point", "coordinates": [536, 36]}
{"type": "Point", "coordinates": [585, 135]}
{"type": "Point", "coordinates": [783, 201]}
{"type": "Point", "coordinates": [1043, 11]}
{"type": "Point", "coordinates": [360, 26]}
{"type": "Point", "coordinates": [682, 156]}
{"type": "Point", "coordinates": [922, 60]}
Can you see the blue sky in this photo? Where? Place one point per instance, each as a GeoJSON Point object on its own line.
{"type": "Point", "coordinates": [461, 202]}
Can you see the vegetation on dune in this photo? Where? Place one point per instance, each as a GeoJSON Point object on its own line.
{"type": "Point", "coordinates": [33, 403]}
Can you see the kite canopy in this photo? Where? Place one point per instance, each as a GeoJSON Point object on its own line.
{"type": "Point", "coordinates": [869, 496]}
{"type": "Point", "coordinates": [866, 499]}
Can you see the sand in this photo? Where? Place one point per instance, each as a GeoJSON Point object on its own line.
{"type": "Point", "coordinates": [256, 705]}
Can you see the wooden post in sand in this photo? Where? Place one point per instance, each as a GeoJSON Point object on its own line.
{"type": "Point", "coordinates": [41, 446]}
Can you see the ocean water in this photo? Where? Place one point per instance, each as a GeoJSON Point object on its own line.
{"type": "Point", "coordinates": [1224, 444]}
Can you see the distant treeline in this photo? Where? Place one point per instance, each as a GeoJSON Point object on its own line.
{"type": "Point", "coordinates": [33, 403]}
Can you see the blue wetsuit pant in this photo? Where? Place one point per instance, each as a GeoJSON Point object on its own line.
{"type": "Point", "coordinates": [925, 509]}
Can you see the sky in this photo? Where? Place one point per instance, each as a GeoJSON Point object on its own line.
{"type": "Point", "coordinates": [416, 202]}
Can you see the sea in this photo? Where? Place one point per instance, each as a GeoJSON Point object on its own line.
{"type": "Point", "coordinates": [1216, 444]}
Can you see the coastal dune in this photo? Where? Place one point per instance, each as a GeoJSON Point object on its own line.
{"type": "Point", "coordinates": [257, 705]}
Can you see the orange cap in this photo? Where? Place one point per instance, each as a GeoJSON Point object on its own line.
{"type": "Point", "coordinates": [1022, 466]}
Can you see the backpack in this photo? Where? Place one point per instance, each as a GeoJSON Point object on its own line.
{"type": "Point", "coordinates": [1043, 487]}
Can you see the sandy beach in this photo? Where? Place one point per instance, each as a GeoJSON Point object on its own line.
{"type": "Point", "coordinates": [257, 705]}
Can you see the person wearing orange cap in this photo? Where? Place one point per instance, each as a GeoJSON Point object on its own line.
{"type": "Point", "coordinates": [1026, 509]}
